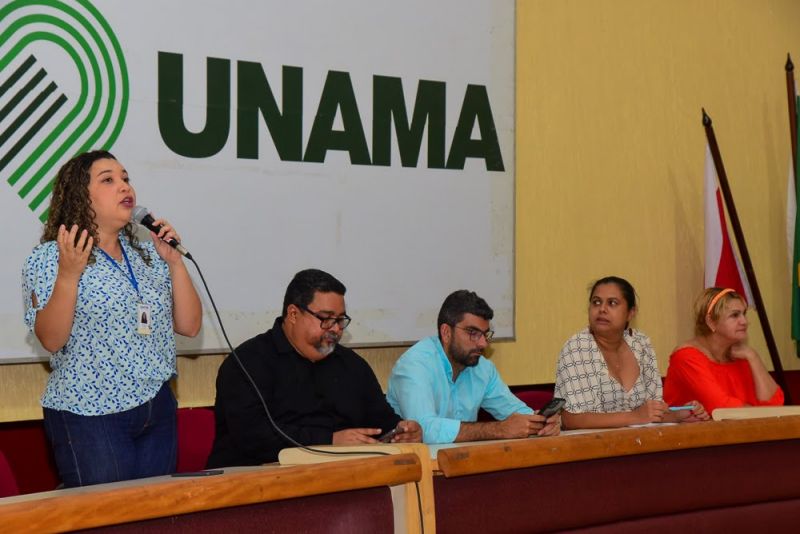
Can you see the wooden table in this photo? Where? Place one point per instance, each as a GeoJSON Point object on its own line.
{"type": "Point", "coordinates": [240, 498]}
{"type": "Point", "coordinates": [733, 475]}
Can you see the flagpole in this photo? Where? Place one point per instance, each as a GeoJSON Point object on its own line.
{"type": "Point", "coordinates": [745, 255]}
{"type": "Point", "coordinates": [791, 93]}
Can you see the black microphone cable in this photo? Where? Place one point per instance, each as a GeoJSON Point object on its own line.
{"type": "Point", "coordinates": [269, 414]}
{"type": "Point", "coordinates": [258, 392]}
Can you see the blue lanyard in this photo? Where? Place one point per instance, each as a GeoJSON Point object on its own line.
{"type": "Point", "coordinates": [130, 276]}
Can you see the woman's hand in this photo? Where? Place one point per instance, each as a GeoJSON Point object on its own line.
{"type": "Point", "coordinates": [72, 256]}
{"type": "Point", "coordinates": [186, 310]}
{"type": "Point", "coordinates": [652, 411]}
{"type": "Point", "coordinates": [765, 385]}
{"type": "Point", "coordinates": [164, 249]}
{"type": "Point", "coordinates": [742, 351]}
{"type": "Point", "coordinates": [697, 413]}
{"type": "Point", "coordinates": [54, 321]}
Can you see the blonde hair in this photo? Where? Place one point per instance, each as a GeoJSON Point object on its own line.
{"type": "Point", "coordinates": [711, 303]}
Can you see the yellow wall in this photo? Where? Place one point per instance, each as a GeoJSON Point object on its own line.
{"type": "Point", "coordinates": [21, 385]}
{"type": "Point", "coordinates": [610, 155]}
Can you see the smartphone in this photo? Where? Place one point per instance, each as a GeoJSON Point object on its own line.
{"type": "Point", "coordinates": [387, 437]}
{"type": "Point", "coordinates": [552, 407]}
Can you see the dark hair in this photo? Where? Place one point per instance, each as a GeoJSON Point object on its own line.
{"type": "Point", "coordinates": [301, 289]}
{"type": "Point", "coordinates": [460, 302]}
{"type": "Point", "coordinates": [628, 293]}
{"type": "Point", "coordinates": [70, 203]}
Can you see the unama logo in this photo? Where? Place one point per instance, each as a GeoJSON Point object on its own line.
{"type": "Point", "coordinates": [63, 90]}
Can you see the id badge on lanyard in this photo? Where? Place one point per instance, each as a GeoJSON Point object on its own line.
{"type": "Point", "coordinates": [143, 315]}
{"type": "Point", "coordinates": [143, 311]}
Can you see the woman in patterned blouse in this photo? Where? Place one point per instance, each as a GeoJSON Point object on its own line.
{"type": "Point", "coordinates": [108, 408]}
{"type": "Point", "coordinates": [608, 373]}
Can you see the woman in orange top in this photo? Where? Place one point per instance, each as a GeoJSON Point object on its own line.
{"type": "Point", "coordinates": [717, 367]}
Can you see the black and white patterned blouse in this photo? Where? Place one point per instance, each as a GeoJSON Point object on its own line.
{"type": "Point", "coordinates": [583, 379]}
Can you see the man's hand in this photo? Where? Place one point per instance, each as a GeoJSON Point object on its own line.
{"type": "Point", "coordinates": [356, 436]}
{"type": "Point", "coordinates": [552, 426]}
{"type": "Point", "coordinates": [408, 432]}
{"type": "Point", "coordinates": [519, 425]}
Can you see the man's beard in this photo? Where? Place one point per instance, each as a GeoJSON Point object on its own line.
{"type": "Point", "coordinates": [327, 344]}
{"type": "Point", "coordinates": [467, 358]}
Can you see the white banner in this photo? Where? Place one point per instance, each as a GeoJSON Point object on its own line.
{"type": "Point", "coordinates": [371, 139]}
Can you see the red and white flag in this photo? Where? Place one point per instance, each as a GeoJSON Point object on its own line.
{"type": "Point", "coordinates": [723, 268]}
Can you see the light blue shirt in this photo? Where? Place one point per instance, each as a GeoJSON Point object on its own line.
{"type": "Point", "coordinates": [421, 388]}
{"type": "Point", "coordinates": [106, 366]}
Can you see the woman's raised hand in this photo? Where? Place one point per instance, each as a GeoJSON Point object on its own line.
{"type": "Point", "coordinates": [742, 351]}
{"type": "Point", "coordinates": [73, 255]}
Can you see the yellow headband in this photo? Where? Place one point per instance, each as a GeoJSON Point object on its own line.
{"type": "Point", "coordinates": [716, 299]}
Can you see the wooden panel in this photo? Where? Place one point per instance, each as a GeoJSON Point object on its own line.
{"type": "Point", "coordinates": [418, 497]}
{"type": "Point", "coordinates": [363, 511]}
{"type": "Point", "coordinates": [420, 494]}
{"type": "Point", "coordinates": [24, 383]}
{"type": "Point", "coordinates": [136, 500]}
{"type": "Point", "coordinates": [778, 516]}
{"type": "Point", "coordinates": [516, 454]}
{"type": "Point", "coordinates": [754, 412]}
{"type": "Point", "coordinates": [567, 497]}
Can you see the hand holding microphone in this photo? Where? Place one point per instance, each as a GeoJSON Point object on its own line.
{"type": "Point", "coordinates": [142, 216]}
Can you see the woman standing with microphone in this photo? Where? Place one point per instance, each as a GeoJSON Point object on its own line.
{"type": "Point", "coordinates": [107, 307]}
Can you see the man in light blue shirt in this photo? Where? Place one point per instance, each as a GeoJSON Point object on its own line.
{"type": "Point", "coordinates": [443, 380]}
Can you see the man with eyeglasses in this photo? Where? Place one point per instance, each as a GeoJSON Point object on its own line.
{"type": "Point", "coordinates": [443, 380]}
{"type": "Point", "coordinates": [317, 391]}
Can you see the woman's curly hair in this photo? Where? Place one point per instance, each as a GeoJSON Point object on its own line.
{"type": "Point", "coordinates": [70, 203]}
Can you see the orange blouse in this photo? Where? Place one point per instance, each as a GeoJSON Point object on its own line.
{"type": "Point", "coordinates": [693, 376]}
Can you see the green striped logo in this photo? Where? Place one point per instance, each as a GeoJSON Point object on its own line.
{"type": "Point", "coordinates": [63, 90]}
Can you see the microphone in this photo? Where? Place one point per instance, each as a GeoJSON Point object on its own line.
{"type": "Point", "coordinates": [142, 216]}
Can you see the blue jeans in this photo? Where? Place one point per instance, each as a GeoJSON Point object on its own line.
{"type": "Point", "coordinates": [138, 443]}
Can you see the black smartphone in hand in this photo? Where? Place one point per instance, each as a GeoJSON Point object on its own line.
{"type": "Point", "coordinates": [387, 437]}
{"type": "Point", "coordinates": [553, 407]}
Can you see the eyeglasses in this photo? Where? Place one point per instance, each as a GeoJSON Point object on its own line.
{"type": "Point", "coordinates": [475, 334]}
{"type": "Point", "coordinates": [326, 322]}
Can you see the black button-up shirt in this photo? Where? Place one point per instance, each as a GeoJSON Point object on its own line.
{"type": "Point", "coordinates": [308, 400]}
